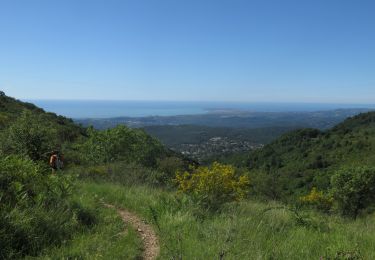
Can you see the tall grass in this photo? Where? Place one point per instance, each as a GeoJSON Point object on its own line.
{"type": "Point", "coordinates": [122, 173]}
{"type": "Point", "coordinates": [109, 238]}
{"type": "Point", "coordinates": [36, 210]}
{"type": "Point", "coordinates": [249, 230]}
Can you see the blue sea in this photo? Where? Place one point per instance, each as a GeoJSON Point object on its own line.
{"type": "Point", "coordinates": [106, 109]}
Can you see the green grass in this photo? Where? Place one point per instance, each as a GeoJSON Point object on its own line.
{"type": "Point", "coordinates": [249, 230]}
{"type": "Point", "coordinates": [109, 238]}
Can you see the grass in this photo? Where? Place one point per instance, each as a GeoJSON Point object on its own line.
{"type": "Point", "coordinates": [249, 230]}
{"type": "Point", "coordinates": [109, 238]}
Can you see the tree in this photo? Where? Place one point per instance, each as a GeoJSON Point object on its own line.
{"type": "Point", "coordinates": [121, 144]}
{"type": "Point", "coordinates": [30, 136]}
{"type": "Point", "coordinates": [353, 189]}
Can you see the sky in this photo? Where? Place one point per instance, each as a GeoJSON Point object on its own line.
{"type": "Point", "coordinates": [193, 50]}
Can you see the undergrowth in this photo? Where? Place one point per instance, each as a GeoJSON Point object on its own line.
{"type": "Point", "coordinates": [246, 230]}
{"type": "Point", "coordinates": [36, 208]}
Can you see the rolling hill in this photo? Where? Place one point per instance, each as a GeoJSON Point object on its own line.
{"type": "Point", "coordinates": [49, 215]}
{"type": "Point", "coordinates": [304, 158]}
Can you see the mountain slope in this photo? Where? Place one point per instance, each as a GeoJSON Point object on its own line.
{"type": "Point", "coordinates": [28, 130]}
{"type": "Point", "coordinates": [305, 158]}
{"type": "Point", "coordinates": [41, 209]}
{"type": "Point", "coordinates": [11, 109]}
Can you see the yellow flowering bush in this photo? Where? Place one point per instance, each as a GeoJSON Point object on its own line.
{"type": "Point", "coordinates": [212, 186]}
{"type": "Point", "coordinates": [318, 199]}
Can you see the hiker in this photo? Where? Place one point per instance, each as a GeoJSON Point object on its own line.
{"type": "Point", "coordinates": [56, 161]}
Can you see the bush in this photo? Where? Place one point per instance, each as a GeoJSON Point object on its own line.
{"type": "Point", "coordinates": [35, 208]}
{"type": "Point", "coordinates": [353, 189]}
{"type": "Point", "coordinates": [30, 136]}
{"type": "Point", "coordinates": [266, 185]}
{"type": "Point", "coordinates": [120, 144]}
{"type": "Point", "coordinates": [168, 167]}
{"type": "Point", "coordinates": [354, 254]}
{"type": "Point", "coordinates": [317, 199]}
{"type": "Point", "coordinates": [213, 186]}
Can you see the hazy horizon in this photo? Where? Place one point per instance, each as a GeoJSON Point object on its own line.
{"type": "Point", "coordinates": [123, 108]}
{"type": "Point", "coordinates": [182, 101]}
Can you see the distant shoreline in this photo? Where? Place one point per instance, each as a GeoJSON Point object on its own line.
{"type": "Point", "coordinates": [110, 109]}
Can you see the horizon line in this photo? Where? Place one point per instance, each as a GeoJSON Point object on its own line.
{"type": "Point", "coordinates": [201, 101]}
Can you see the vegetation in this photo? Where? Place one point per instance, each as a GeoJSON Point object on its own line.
{"type": "Point", "coordinates": [318, 199]}
{"type": "Point", "coordinates": [36, 210]}
{"type": "Point", "coordinates": [203, 143]}
{"type": "Point", "coordinates": [308, 195]}
{"type": "Point", "coordinates": [30, 136]}
{"type": "Point", "coordinates": [246, 230]}
{"type": "Point", "coordinates": [353, 189]}
{"type": "Point", "coordinates": [120, 144]}
{"type": "Point", "coordinates": [11, 109]}
{"type": "Point", "coordinates": [212, 186]}
{"type": "Point", "coordinates": [40, 210]}
{"type": "Point", "coordinates": [307, 158]}
{"type": "Point", "coordinates": [108, 238]}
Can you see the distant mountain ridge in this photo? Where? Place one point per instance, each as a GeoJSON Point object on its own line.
{"type": "Point", "coordinates": [318, 119]}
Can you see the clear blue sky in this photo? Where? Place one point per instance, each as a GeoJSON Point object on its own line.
{"type": "Point", "coordinates": [234, 50]}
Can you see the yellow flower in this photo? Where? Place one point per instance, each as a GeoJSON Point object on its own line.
{"type": "Point", "coordinates": [216, 183]}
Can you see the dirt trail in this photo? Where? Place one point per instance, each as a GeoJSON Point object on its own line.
{"type": "Point", "coordinates": [150, 240]}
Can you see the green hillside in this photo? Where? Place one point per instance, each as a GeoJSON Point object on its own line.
{"type": "Point", "coordinates": [28, 129]}
{"type": "Point", "coordinates": [253, 213]}
{"type": "Point", "coordinates": [11, 109]}
{"type": "Point", "coordinates": [40, 208]}
{"type": "Point", "coordinates": [305, 158]}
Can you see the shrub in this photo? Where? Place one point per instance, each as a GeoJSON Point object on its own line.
{"type": "Point", "coordinates": [353, 189]}
{"type": "Point", "coordinates": [317, 199]}
{"type": "Point", "coordinates": [122, 173]}
{"type": "Point", "coordinates": [35, 208]}
{"type": "Point", "coordinates": [120, 144]}
{"type": "Point", "coordinates": [29, 135]}
{"type": "Point", "coordinates": [168, 166]}
{"type": "Point", "coordinates": [267, 185]}
{"type": "Point", "coordinates": [212, 186]}
{"type": "Point", "coordinates": [353, 254]}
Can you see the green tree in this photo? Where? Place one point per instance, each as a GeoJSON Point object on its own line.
{"type": "Point", "coordinates": [121, 144]}
{"type": "Point", "coordinates": [353, 189]}
{"type": "Point", "coordinates": [29, 136]}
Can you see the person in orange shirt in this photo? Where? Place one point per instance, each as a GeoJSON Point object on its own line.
{"type": "Point", "coordinates": [56, 161]}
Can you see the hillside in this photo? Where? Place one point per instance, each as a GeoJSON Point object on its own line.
{"type": "Point", "coordinates": [211, 136]}
{"type": "Point", "coordinates": [26, 128]}
{"type": "Point", "coordinates": [11, 109]}
{"type": "Point", "coordinates": [41, 208]}
{"type": "Point", "coordinates": [62, 215]}
{"type": "Point", "coordinates": [305, 158]}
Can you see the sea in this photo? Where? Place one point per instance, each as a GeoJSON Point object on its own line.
{"type": "Point", "coordinates": [79, 109]}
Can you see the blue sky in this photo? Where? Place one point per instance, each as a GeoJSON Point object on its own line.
{"type": "Point", "coordinates": [208, 50]}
